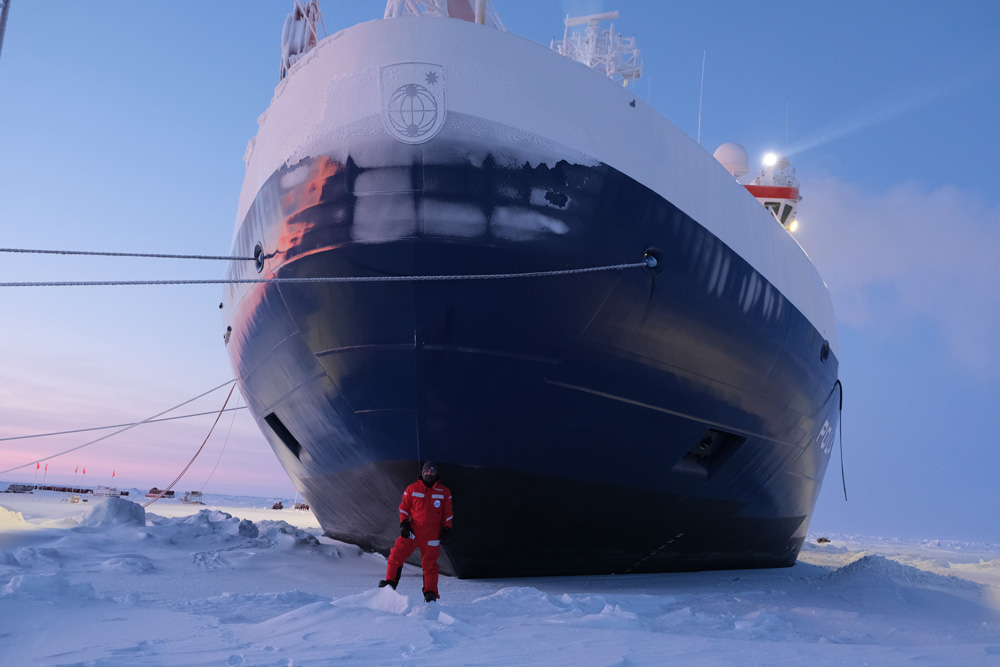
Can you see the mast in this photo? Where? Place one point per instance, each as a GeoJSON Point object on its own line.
{"type": "Point", "coordinates": [4, 8]}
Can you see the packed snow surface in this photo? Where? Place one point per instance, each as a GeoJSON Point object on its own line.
{"type": "Point", "coordinates": [107, 582]}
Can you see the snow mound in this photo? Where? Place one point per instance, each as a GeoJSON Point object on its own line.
{"type": "Point", "coordinates": [128, 564]}
{"type": "Point", "coordinates": [247, 529]}
{"type": "Point", "coordinates": [207, 525]}
{"type": "Point", "coordinates": [114, 512]}
{"type": "Point", "coordinates": [433, 613]}
{"type": "Point", "coordinates": [763, 625]}
{"type": "Point", "coordinates": [10, 519]}
{"type": "Point", "coordinates": [54, 588]}
{"type": "Point", "coordinates": [524, 598]}
{"type": "Point", "coordinates": [286, 535]}
{"type": "Point", "coordinates": [874, 567]}
{"type": "Point", "coordinates": [611, 617]}
{"type": "Point", "coordinates": [879, 570]}
{"type": "Point", "coordinates": [205, 518]}
{"type": "Point", "coordinates": [209, 560]}
{"type": "Point", "coordinates": [7, 558]}
{"type": "Point", "coordinates": [381, 599]}
{"type": "Point", "coordinates": [250, 607]}
{"type": "Point", "coordinates": [33, 555]}
{"type": "Point", "coordinates": [987, 564]}
{"type": "Point", "coordinates": [303, 622]}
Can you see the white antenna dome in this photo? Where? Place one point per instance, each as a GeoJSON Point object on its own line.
{"type": "Point", "coordinates": [733, 157]}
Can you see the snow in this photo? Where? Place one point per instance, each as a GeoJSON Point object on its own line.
{"type": "Point", "coordinates": [107, 582]}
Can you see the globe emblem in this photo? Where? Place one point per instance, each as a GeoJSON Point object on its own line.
{"type": "Point", "coordinates": [412, 110]}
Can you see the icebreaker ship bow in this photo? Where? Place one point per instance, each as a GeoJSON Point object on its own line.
{"type": "Point", "coordinates": [669, 417]}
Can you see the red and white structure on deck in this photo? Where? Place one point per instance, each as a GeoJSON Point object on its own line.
{"type": "Point", "coordinates": [776, 187]}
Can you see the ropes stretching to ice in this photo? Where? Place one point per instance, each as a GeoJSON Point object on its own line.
{"type": "Point", "coordinates": [224, 443]}
{"type": "Point", "coordinates": [335, 279]}
{"type": "Point", "coordinates": [105, 437]}
{"type": "Point", "coordinates": [103, 428]}
{"type": "Point", "coordinates": [181, 474]}
{"type": "Point", "coordinates": [119, 254]}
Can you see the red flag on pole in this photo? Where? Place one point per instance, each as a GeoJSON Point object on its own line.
{"type": "Point", "coordinates": [46, 467]}
{"type": "Point", "coordinates": [77, 470]}
{"type": "Point", "coordinates": [84, 470]}
{"type": "Point", "coordinates": [37, 466]}
{"type": "Point", "coordinates": [112, 473]}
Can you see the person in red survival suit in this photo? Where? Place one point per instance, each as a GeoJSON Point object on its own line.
{"type": "Point", "coordinates": [424, 522]}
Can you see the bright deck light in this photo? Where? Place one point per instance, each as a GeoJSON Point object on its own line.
{"type": "Point", "coordinates": [770, 160]}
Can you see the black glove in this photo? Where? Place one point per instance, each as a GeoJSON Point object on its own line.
{"type": "Point", "coordinates": [445, 534]}
{"type": "Point", "coordinates": [404, 529]}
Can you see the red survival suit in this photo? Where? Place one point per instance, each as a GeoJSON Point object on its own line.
{"type": "Point", "coordinates": [428, 510]}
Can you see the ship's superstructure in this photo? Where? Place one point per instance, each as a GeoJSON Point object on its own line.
{"type": "Point", "coordinates": [606, 51]}
{"type": "Point", "coordinates": [676, 413]}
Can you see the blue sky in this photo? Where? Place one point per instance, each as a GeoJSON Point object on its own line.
{"type": "Point", "coordinates": [123, 126]}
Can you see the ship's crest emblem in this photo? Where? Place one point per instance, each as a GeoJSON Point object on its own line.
{"type": "Point", "coordinates": [413, 101]}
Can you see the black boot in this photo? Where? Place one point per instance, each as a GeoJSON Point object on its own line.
{"type": "Point", "coordinates": [392, 582]}
{"type": "Point", "coordinates": [430, 596]}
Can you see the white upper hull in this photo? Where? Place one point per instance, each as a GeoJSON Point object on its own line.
{"type": "Point", "coordinates": [333, 102]}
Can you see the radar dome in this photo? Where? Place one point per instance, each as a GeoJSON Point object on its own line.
{"type": "Point", "coordinates": [733, 157]}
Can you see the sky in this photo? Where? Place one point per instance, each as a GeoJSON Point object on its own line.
{"type": "Point", "coordinates": [123, 127]}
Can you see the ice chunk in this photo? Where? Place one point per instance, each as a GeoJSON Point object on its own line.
{"type": "Point", "coordinates": [114, 511]}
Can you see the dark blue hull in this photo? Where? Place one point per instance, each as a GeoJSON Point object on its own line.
{"type": "Point", "coordinates": [623, 421]}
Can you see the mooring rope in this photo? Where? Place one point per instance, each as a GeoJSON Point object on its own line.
{"type": "Point", "coordinates": [181, 474]}
{"type": "Point", "coordinates": [118, 254]}
{"type": "Point", "coordinates": [109, 435]}
{"type": "Point", "coordinates": [840, 432]}
{"type": "Point", "coordinates": [335, 279]}
{"type": "Point", "coordinates": [104, 428]}
{"type": "Point", "coordinates": [224, 443]}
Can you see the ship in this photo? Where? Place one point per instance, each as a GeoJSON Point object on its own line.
{"type": "Point", "coordinates": [456, 244]}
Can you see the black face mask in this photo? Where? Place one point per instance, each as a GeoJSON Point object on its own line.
{"type": "Point", "coordinates": [433, 479]}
